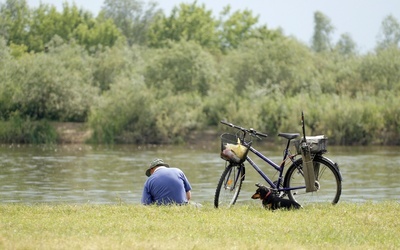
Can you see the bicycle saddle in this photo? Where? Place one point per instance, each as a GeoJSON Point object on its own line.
{"type": "Point", "coordinates": [289, 136]}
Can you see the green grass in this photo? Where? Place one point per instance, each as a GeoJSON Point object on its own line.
{"type": "Point", "coordinates": [344, 226]}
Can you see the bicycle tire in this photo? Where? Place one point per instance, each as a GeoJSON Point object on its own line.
{"type": "Point", "coordinates": [328, 182]}
{"type": "Point", "coordinates": [229, 186]}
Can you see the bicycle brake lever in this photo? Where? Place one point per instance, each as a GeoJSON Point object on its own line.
{"type": "Point", "coordinates": [253, 132]}
{"type": "Point", "coordinates": [256, 134]}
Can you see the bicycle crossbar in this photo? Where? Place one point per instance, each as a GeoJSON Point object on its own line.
{"type": "Point", "coordinates": [270, 162]}
{"type": "Point", "coordinates": [274, 165]}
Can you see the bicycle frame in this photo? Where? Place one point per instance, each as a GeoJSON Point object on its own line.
{"type": "Point", "coordinates": [279, 168]}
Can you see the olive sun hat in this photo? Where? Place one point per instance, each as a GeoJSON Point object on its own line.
{"type": "Point", "coordinates": [156, 163]}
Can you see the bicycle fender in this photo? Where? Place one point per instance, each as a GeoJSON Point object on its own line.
{"type": "Point", "coordinates": [334, 164]}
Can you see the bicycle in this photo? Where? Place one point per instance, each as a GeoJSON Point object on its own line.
{"type": "Point", "coordinates": [235, 148]}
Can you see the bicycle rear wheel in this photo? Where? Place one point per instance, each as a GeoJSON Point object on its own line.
{"type": "Point", "coordinates": [328, 182]}
{"type": "Point", "coordinates": [229, 186]}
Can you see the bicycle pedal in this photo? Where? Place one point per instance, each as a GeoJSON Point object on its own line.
{"type": "Point", "coordinates": [282, 195]}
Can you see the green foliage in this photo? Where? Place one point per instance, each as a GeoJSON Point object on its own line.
{"type": "Point", "coordinates": [344, 120]}
{"type": "Point", "coordinates": [46, 86]}
{"type": "Point", "coordinates": [110, 63]}
{"type": "Point", "coordinates": [14, 18]}
{"type": "Point", "coordinates": [381, 71]}
{"type": "Point", "coordinates": [237, 27]}
{"type": "Point", "coordinates": [97, 32]}
{"type": "Point", "coordinates": [7, 63]}
{"type": "Point", "coordinates": [18, 50]}
{"type": "Point", "coordinates": [284, 63]}
{"type": "Point", "coordinates": [176, 116]}
{"type": "Point", "coordinates": [132, 17]}
{"type": "Point", "coordinates": [323, 29]}
{"type": "Point", "coordinates": [346, 46]}
{"type": "Point", "coordinates": [44, 25]}
{"type": "Point", "coordinates": [81, 26]}
{"type": "Point", "coordinates": [390, 134]}
{"type": "Point", "coordinates": [390, 33]}
{"type": "Point", "coordinates": [24, 130]}
{"type": "Point", "coordinates": [181, 68]}
{"type": "Point", "coordinates": [197, 70]}
{"type": "Point", "coordinates": [34, 28]}
{"type": "Point", "coordinates": [124, 114]}
{"type": "Point", "coordinates": [191, 22]}
{"type": "Point", "coordinates": [188, 22]}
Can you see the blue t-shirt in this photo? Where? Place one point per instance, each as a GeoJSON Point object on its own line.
{"type": "Point", "coordinates": [166, 186]}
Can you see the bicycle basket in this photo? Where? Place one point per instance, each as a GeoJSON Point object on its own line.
{"type": "Point", "coordinates": [317, 144]}
{"type": "Point", "coordinates": [232, 150]}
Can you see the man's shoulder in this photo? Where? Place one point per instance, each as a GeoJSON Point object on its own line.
{"type": "Point", "coordinates": [166, 170]}
{"type": "Point", "coordinates": [175, 169]}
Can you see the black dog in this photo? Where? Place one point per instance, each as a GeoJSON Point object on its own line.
{"type": "Point", "coordinates": [271, 201]}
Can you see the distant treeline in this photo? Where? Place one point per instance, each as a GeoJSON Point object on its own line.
{"type": "Point", "coordinates": [140, 76]}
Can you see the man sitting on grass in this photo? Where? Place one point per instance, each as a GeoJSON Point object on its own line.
{"type": "Point", "coordinates": [165, 185]}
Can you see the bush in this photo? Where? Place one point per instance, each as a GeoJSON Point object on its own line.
{"type": "Point", "coordinates": [123, 114]}
{"type": "Point", "coordinates": [24, 130]}
{"type": "Point", "coordinates": [184, 67]}
{"type": "Point", "coordinates": [283, 62]}
{"type": "Point", "coordinates": [54, 86]}
{"type": "Point", "coordinates": [176, 116]}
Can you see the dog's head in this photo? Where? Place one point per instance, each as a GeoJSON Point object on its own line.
{"type": "Point", "coordinates": [261, 193]}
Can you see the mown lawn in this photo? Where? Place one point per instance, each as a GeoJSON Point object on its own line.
{"type": "Point", "coordinates": [344, 226]}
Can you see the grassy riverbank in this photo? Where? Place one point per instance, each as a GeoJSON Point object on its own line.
{"type": "Point", "coordinates": [345, 226]}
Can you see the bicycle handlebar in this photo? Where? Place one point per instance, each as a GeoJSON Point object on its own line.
{"type": "Point", "coordinates": [245, 130]}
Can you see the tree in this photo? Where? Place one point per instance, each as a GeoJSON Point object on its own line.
{"type": "Point", "coordinates": [124, 109]}
{"type": "Point", "coordinates": [31, 30]}
{"type": "Point", "coordinates": [346, 46]}
{"type": "Point", "coordinates": [88, 31]}
{"type": "Point", "coordinates": [112, 63]}
{"type": "Point", "coordinates": [284, 65]}
{"type": "Point", "coordinates": [183, 68]}
{"type": "Point", "coordinates": [380, 71]}
{"type": "Point", "coordinates": [321, 40]}
{"type": "Point", "coordinates": [132, 17]}
{"type": "Point", "coordinates": [7, 64]}
{"type": "Point", "coordinates": [390, 33]}
{"type": "Point", "coordinates": [14, 21]}
{"type": "Point", "coordinates": [97, 32]}
{"type": "Point", "coordinates": [44, 24]}
{"type": "Point", "coordinates": [54, 86]}
{"type": "Point", "coordinates": [236, 28]}
{"type": "Point", "coordinates": [188, 22]}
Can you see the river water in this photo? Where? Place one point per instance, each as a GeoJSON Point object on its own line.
{"type": "Point", "coordinates": [84, 174]}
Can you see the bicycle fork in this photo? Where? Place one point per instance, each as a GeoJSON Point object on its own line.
{"type": "Point", "coordinates": [234, 176]}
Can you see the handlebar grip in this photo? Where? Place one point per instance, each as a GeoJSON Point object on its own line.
{"type": "Point", "coordinates": [261, 134]}
{"type": "Point", "coordinates": [224, 122]}
{"type": "Point", "coordinates": [228, 124]}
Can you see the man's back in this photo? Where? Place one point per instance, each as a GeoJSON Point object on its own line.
{"type": "Point", "coordinates": [166, 186]}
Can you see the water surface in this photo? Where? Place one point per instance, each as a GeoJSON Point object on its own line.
{"type": "Point", "coordinates": [112, 175]}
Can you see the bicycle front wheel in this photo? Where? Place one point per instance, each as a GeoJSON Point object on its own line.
{"type": "Point", "coordinates": [229, 186]}
{"type": "Point", "coordinates": [328, 182]}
